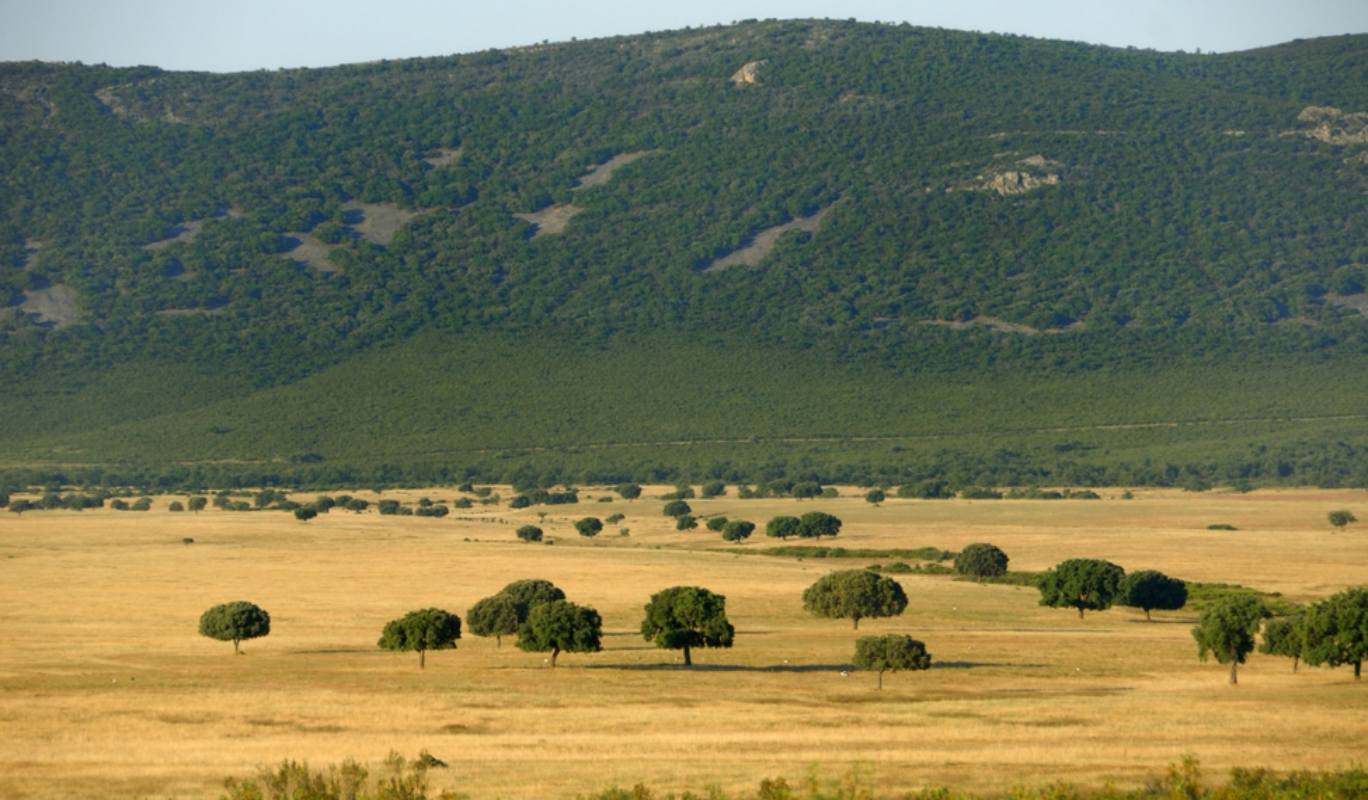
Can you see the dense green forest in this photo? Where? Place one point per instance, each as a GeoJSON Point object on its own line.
{"type": "Point", "coordinates": [1035, 262]}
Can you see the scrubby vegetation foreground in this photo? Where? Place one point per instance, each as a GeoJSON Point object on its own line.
{"type": "Point", "coordinates": [401, 779]}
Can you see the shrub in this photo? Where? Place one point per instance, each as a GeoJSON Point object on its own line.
{"type": "Point", "coordinates": [737, 530]}
{"type": "Point", "coordinates": [686, 522]}
{"type": "Point", "coordinates": [717, 523]}
{"type": "Point", "coordinates": [714, 489]}
{"type": "Point", "coordinates": [530, 533]}
{"type": "Point", "coordinates": [676, 508]}
{"type": "Point", "coordinates": [981, 561]}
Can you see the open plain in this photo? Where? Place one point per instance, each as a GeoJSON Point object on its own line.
{"type": "Point", "coordinates": [107, 690]}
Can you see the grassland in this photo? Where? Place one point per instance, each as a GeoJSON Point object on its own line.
{"type": "Point", "coordinates": [105, 689]}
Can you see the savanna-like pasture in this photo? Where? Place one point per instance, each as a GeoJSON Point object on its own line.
{"type": "Point", "coordinates": [107, 690]}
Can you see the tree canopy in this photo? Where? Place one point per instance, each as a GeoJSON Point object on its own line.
{"type": "Point", "coordinates": [1149, 589]}
{"type": "Point", "coordinates": [981, 561]}
{"type": "Point", "coordinates": [782, 527]}
{"type": "Point", "coordinates": [1225, 630]}
{"type": "Point", "coordinates": [1337, 630]}
{"type": "Point", "coordinates": [235, 622]}
{"type": "Point", "coordinates": [685, 617]}
{"type": "Point", "coordinates": [816, 524]}
{"type": "Point", "coordinates": [496, 615]}
{"type": "Point", "coordinates": [1285, 636]}
{"type": "Point", "coordinates": [422, 630]}
{"type": "Point", "coordinates": [1085, 584]}
{"type": "Point", "coordinates": [855, 594]}
{"type": "Point", "coordinates": [890, 653]}
{"type": "Point", "coordinates": [561, 626]}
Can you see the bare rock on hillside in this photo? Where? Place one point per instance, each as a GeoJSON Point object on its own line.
{"type": "Point", "coordinates": [749, 74]}
{"type": "Point", "coordinates": [1333, 126]}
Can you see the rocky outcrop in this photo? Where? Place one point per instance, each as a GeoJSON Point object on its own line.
{"type": "Point", "coordinates": [749, 74]}
{"type": "Point", "coordinates": [1333, 126]}
{"type": "Point", "coordinates": [1029, 173]}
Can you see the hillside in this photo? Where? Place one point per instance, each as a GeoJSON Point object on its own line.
{"type": "Point", "coordinates": [844, 250]}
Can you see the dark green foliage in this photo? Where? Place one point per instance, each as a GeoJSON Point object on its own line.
{"type": "Point", "coordinates": [855, 594]}
{"type": "Point", "coordinates": [589, 527]}
{"type": "Point", "coordinates": [686, 522]}
{"type": "Point", "coordinates": [684, 492]}
{"type": "Point", "coordinates": [20, 506]}
{"type": "Point", "coordinates": [1221, 526]}
{"type": "Point", "coordinates": [305, 513]}
{"type": "Point", "coordinates": [685, 617]}
{"type": "Point", "coordinates": [981, 561]}
{"type": "Point", "coordinates": [628, 491]}
{"type": "Point", "coordinates": [530, 533]}
{"type": "Point", "coordinates": [357, 505]}
{"type": "Point", "coordinates": [980, 493]}
{"type": "Point", "coordinates": [495, 616]}
{"type": "Point", "coordinates": [530, 593]}
{"type": "Point", "coordinates": [235, 622]}
{"type": "Point", "coordinates": [422, 630]}
{"type": "Point", "coordinates": [927, 490]}
{"type": "Point", "coordinates": [519, 501]}
{"type": "Point", "coordinates": [717, 523]}
{"type": "Point", "coordinates": [1226, 631]}
{"type": "Point", "coordinates": [714, 489]}
{"type": "Point", "coordinates": [1084, 584]}
{"type": "Point", "coordinates": [1337, 631]}
{"type": "Point", "coordinates": [176, 505]}
{"type": "Point", "coordinates": [1285, 636]}
{"type": "Point", "coordinates": [875, 496]}
{"type": "Point", "coordinates": [816, 524]}
{"type": "Point", "coordinates": [561, 626]}
{"type": "Point", "coordinates": [890, 653]}
{"type": "Point", "coordinates": [1149, 589]}
{"type": "Point", "coordinates": [737, 530]}
{"type": "Point", "coordinates": [614, 519]}
{"type": "Point", "coordinates": [389, 507]}
{"type": "Point", "coordinates": [805, 551]}
{"type": "Point", "coordinates": [141, 504]}
{"type": "Point", "coordinates": [1341, 518]}
{"type": "Point", "coordinates": [438, 511]}
{"type": "Point", "coordinates": [806, 489]}
{"type": "Point", "coordinates": [676, 508]}
{"type": "Point", "coordinates": [399, 779]}
{"type": "Point", "coordinates": [782, 527]}
{"type": "Point", "coordinates": [4, 499]}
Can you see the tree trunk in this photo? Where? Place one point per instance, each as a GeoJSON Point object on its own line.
{"type": "Point", "coordinates": [1296, 660]}
{"type": "Point", "coordinates": [1080, 612]}
{"type": "Point", "coordinates": [498, 641]}
{"type": "Point", "coordinates": [1234, 680]}
{"type": "Point", "coordinates": [422, 659]}
{"type": "Point", "coordinates": [1358, 670]}
{"type": "Point", "coordinates": [555, 651]}
{"type": "Point", "coordinates": [688, 659]}
{"type": "Point", "coordinates": [1148, 618]}
{"type": "Point", "coordinates": [857, 623]}
{"type": "Point", "coordinates": [880, 680]}
{"type": "Point", "coordinates": [236, 651]}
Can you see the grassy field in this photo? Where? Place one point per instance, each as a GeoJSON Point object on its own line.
{"type": "Point", "coordinates": [106, 689]}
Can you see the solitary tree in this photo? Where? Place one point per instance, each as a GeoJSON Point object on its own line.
{"type": "Point", "coordinates": [197, 503]}
{"type": "Point", "coordinates": [305, 513]}
{"type": "Point", "coordinates": [890, 653]}
{"type": "Point", "coordinates": [589, 527]}
{"type": "Point", "coordinates": [1148, 589]}
{"type": "Point", "coordinates": [561, 625]}
{"type": "Point", "coordinates": [816, 524]}
{"type": "Point", "coordinates": [687, 522]}
{"type": "Point", "coordinates": [714, 489]}
{"type": "Point", "coordinates": [530, 533]}
{"type": "Point", "coordinates": [1341, 518]}
{"type": "Point", "coordinates": [176, 505]}
{"type": "Point", "coordinates": [1083, 583]}
{"type": "Point", "coordinates": [629, 491]}
{"type": "Point", "coordinates": [1226, 630]}
{"type": "Point", "coordinates": [855, 594]}
{"type": "Point", "coordinates": [496, 615]}
{"type": "Point", "coordinates": [233, 622]}
{"type": "Point", "coordinates": [875, 496]}
{"type": "Point", "coordinates": [981, 561]}
{"type": "Point", "coordinates": [423, 630]}
{"type": "Point", "coordinates": [685, 617]}
{"type": "Point", "coordinates": [782, 527]}
{"type": "Point", "coordinates": [1337, 631]}
{"type": "Point", "coordinates": [357, 505]}
{"type": "Point", "coordinates": [676, 508]}
{"type": "Point", "coordinates": [530, 593]}
{"type": "Point", "coordinates": [1285, 636]}
{"type": "Point", "coordinates": [737, 530]}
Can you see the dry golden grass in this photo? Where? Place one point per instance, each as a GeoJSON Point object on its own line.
{"type": "Point", "coordinates": [106, 689]}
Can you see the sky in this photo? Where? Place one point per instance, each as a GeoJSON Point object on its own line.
{"type": "Point", "coordinates": [232, 35]}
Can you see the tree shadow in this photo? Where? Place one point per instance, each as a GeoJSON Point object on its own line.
{"type": "Point", "coordinates": [983, 665]}
{"type": "Point", "coordinates": [777, 668]}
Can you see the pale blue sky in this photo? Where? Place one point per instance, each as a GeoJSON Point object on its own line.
{"type": "Point", "coordinates": [227, 35]}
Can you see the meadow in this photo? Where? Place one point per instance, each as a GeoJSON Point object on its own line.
{"type": "Point", "coordinates": [107, 690]}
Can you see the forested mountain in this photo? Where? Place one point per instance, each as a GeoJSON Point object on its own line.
{"type": "Point", "coordinates": [849, 251]}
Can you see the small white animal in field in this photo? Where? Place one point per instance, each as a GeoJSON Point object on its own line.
{"type": "Point", "coordinates": [845, 674]}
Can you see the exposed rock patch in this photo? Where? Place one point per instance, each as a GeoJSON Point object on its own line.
{"type": "Point", "coordinates": [600, 174]}
{"type": "Point", "coordinates": [55, 305]}
{"type": "Point", "coordinates": [1353, 302]}
{"type": "Point", "coordinates": [185, 232]}
{"type": "Point", "coordinates": [1032, 172]}
{"type": "Point", "coordinates": [760, 245]}
{"type": "Point", "coordinates": [1001, 326]}
{"type": "Point", "coordinates": [749, 74]}
{"type": "Point", "coordinates": [443, 156]}
{"type": "Point", "coordinates": [311, 251]}
{"type": "Point", "coordinates": [33, 252]}
{"type": "Point", "coordinates": [550, 220]}
{"type": "Point", "coordinates": [377, 222]}
{"type": "Point", "coordinates": [191, 312]}
{"type": "Point", "coordinates": [1333, 126]}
